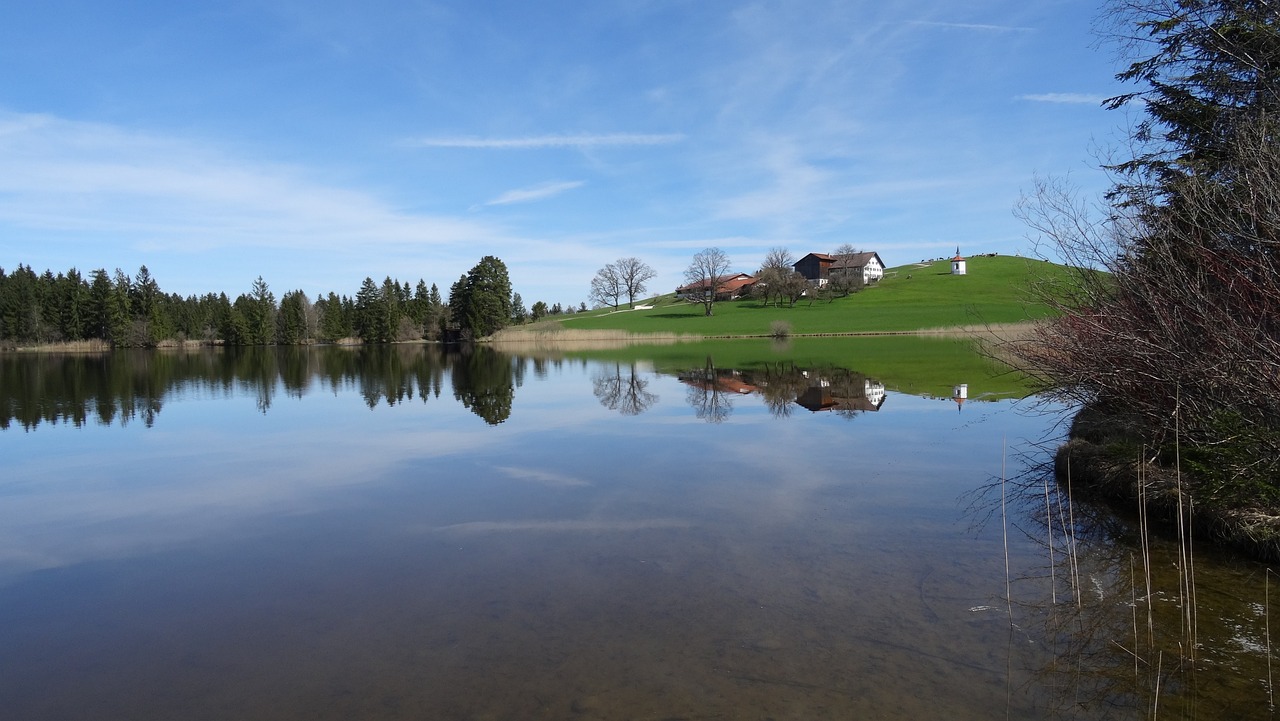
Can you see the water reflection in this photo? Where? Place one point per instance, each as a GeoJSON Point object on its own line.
{"type": "Point", "coordinates": [624, 391]}
{"type": "Point", "coordinates": [374, 548]}
{"type": "Point", "coordinates": [783, 386]}
{"type": "Point", "coordinates": [125, 386]}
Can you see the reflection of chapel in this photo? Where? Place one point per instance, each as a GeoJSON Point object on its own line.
{"type": "Point", "coordinates": [958, 263]}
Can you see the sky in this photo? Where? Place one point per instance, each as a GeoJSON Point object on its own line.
{"type": "Point", "coordinates": [318, 142]}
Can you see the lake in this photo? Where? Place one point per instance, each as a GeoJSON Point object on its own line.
{"type": "Point", "coordinates": [685, 532]}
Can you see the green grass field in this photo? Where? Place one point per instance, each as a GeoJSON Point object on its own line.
{"type": "Point", "coordinates": [911, 297]}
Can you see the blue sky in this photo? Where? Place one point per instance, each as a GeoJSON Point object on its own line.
{"type": "Point", "coordinates": [316, 142]}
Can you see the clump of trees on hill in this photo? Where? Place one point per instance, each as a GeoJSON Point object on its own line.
{"type": "Point", "coordinates": [1175, 351]}
{"type": "Point", "coordinates": [625, 277]}
{"type": "Point", "coordinates": [133, 311]}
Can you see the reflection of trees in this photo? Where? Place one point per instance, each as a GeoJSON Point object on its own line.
{"type": "Point", "coordinates": [484, 381]}
{"type": "Point", "coordinates": [709, 391]}
{"type": "Point", "coordinates": [782, 386]}
{"type": "Point", "coordinates": [128, 385]}
{"type": "Point", "coordinates": [626, 394]}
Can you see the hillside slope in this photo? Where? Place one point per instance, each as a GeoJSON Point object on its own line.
{"type": "Point", "coordinates": [996, 290]}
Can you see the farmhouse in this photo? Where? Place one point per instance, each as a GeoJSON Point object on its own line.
{"type": "Point", "coordinates": [818, 268]}
{"type": "Point", "coordinates": [728, 287]}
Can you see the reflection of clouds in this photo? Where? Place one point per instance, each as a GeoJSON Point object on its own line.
{"type": "Point", "coordinates": [103, 503]}
{"type": "Point", "coordinates": [533, 475]}
{"type": "Point", "coordinates": [592, 526]}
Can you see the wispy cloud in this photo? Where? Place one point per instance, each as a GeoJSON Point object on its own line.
{"type": "Point", "coordinates": [537, 192]}
{"type": "Point", "coordinates": [533, 475]}
{"type": "Point", "coordinates": [1068, 98]}
{"type": "Point", "coordinates": [57, 174]}
{"type": "Point", "coordinates": [571, 526]}
{"type": "Point", "coordinates": [974, 26]}
{"type": "Point", "coordinates": [550, 141]}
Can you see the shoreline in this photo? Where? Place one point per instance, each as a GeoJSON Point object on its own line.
{"type": "Point", "coordinates": [1093, 462]}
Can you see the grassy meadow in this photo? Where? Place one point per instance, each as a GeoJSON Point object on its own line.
{"type": "Point", "coordinates": [910, 298]}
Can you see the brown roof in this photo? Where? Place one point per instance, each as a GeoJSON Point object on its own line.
{"type": "Point", "coordinates": [724, 283]}
{"type": "Point", "coordinates": [857, 260]}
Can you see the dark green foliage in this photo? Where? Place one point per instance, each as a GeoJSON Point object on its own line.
{"type": "Point", "coordinates": [480, 302]}
{"type": "Point", "coordinates": [519, 314]}
{"type": "Point", "coordinates": [337, 317]}
{"type": "Point", "coordinates": [1209, 68]}
{"type": "Point", "coordinates": [293, 324]}
{"type": "Point", "coordinates": [1237, 473]}
{"type": "Point", "coordinates": [133, 311]}
{"type": "Point", "coordinates": [436, 315]}
{"type": "Point", "coordinates": [485, 381]}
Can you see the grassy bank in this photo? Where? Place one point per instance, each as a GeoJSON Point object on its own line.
{"type": "Point", "coordinates": [1105, 459]}
{"type": "Point", "coordinates": [915, 297]}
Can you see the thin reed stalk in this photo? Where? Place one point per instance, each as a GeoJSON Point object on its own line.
{"type": "Point", "coordinates": [1075, 561]}
{"type": "Point", "coordinates": [1048, 519]}
{"type": "Point", "coordinates": [1184, 544]}
{"type": "Point", "coordinates": [1155, 702]}
{"type": "Point", "coordinates": [1266, 610]}
{"type": "Point", "coordinates": [1133, 596]}
{"type": "Point", "coordinates": [1144, 538]}
{"type": "Point", "coordinates": [1004, 527]}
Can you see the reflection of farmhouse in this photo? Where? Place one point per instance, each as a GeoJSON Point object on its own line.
{"type": "Point", "coordinates": [725, 381]}
{"type": "Point", "coordinates": [728, 287]}
{"type": "Point", "coordinates": [822, 395]}
{"type": "Point", "coordinates": [819, 268]}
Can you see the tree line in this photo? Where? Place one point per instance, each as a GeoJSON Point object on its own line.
{"type": "Point", "coordinates": [133, 311]}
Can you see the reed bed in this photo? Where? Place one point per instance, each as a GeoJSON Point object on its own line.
{"type": "Point", "coordinates": [94, 345]}
{"type": "Point", "coordinates": [559, 338]}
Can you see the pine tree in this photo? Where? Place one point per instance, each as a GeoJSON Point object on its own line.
{"type": "Point", "coordinates": [486, 299]}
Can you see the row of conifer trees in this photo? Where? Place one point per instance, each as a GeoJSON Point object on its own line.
{"type": "Point", "coordinates": [133, 311]}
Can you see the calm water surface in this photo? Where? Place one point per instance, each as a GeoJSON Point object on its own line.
{"type": "Point", "coordinates": [405, 534]}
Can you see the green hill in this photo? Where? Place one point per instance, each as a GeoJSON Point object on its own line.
{"type": "Point", "coordinates": [996, 290]}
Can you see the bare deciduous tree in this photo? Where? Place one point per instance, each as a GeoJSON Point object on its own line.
{"type": "Point", "coordinates": [845, 278]}
{"type": "Point", "coordinates": [607, 287]}
{"type": "Point", "coordinates": [778, 280]}
{"type": "Point", "coordinates": [706, 273]}
{"type": "Point", "coordinates": [1181, 338]}
{"type": "Point", "coordinates": [633, 274]}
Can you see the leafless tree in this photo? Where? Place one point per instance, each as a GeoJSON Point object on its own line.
{"type": "Point", "coordinates": [1181, 337]}
{"type": "Point", "coordinates": [778, 280]}
{"type": "Point", "coordinates": [633, 274]}
{"type": "Point", "coordinates": [844, 280]}
{"type": "Point", "coordinates": [607, 287]}
{"type": "Point", "coordinates": [845, 251]}
{"type": "Point", "coordinates": [770, 280]}
{"type": "Point", "coordinates": [706, 273]}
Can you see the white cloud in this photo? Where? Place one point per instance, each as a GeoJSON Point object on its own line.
{"type": "Point", "coordinates": [537, 192]}
{"type": "Point", "coordinates": [1070, 98]}
{"type": "Point", "coordinates": [571, 526]}
{"type": "Point", "coordinates": [550, 141]}
{"type": "Point", "coordinates": [533, 475]}
{"type": "Point", "coordinates": [974, 26]}
{"type": "Point", "coordinates": [63, 175]}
